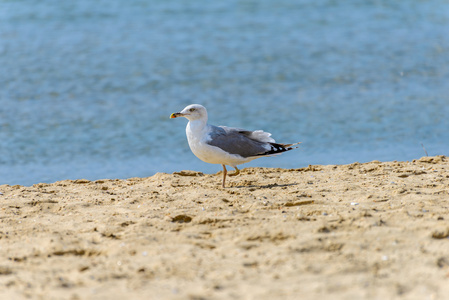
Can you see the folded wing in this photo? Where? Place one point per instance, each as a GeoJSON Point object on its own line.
{"type": "Point", "coordinates": [244, 142]}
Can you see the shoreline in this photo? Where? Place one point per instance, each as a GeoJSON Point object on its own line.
{"type": "Point", "coordinates": [363, 230]}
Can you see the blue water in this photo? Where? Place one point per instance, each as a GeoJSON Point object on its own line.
{"type": "Point", "coordinates": [87, 87]}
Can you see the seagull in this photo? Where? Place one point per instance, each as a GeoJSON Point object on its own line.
{"type": "Point", "coordinates": [223, 145]}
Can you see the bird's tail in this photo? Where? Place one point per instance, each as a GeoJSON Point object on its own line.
{"type": "Point", "coordinates": [289, 146]}
{"type": "Point", "coordinates": [279, 148]}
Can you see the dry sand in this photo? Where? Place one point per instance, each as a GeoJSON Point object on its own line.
{"type": "Point", "coordinates": [376, 230]}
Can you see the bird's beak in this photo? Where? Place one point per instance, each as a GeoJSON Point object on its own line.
{"type": "Point", "coordinates": [175, 115]}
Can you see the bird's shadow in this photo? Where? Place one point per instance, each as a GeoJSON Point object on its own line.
{"type": "Point", "coordinates": [267, 186]}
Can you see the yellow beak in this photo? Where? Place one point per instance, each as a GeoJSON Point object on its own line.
{"type": "Point", "coordinates": [175, 115]}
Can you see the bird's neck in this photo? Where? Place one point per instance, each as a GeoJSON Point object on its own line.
{"type": "Point", "coordinates": [197, 125]}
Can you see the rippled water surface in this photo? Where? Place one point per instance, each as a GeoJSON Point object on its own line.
{"type": "Point", "coordinates": [86, 87]}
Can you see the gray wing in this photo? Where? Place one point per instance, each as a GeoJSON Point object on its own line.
{"type": "Point", "coordinates": [238, 141]}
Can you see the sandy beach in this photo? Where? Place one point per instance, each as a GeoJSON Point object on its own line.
{"type": "Point", "coordinates": [376, 230]}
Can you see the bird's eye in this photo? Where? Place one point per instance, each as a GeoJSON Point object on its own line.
{"type": "Point", "coordinates": [192, 110]}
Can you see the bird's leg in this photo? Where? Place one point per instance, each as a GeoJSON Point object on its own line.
{"type": "Point", "coordinates": [224, 175]}
{"type": "Point", "coordinates": [237, 172]}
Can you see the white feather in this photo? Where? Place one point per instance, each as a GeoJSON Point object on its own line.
{"type": "Point", "coordinates": [262, 136]}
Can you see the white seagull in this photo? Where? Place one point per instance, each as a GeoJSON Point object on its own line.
{"type": "Point", "coordinates": [226, 145]}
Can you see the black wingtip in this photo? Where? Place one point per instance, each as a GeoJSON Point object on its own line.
{"type": "Point", "coordinates": [279, 148]}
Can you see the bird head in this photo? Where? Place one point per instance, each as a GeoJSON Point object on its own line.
{"type": "Point", "coordinates": [191, 112]}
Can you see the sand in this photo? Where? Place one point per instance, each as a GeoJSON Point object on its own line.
{"type": "Point", "coordinates": [376, 230]}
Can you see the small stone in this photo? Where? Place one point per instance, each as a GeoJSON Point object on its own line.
{"type": "Point", "coordinates": [440, 233]}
